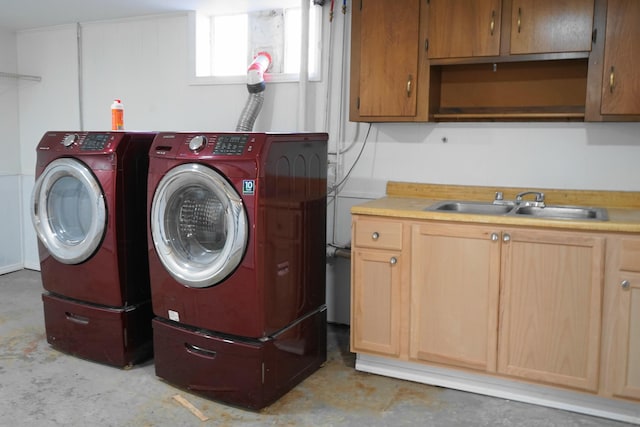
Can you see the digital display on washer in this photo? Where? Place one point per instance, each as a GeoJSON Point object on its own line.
{"type": "Point", "coordinates": [95, 142]}
{"type": "Point", "coordinates": [231, 145]}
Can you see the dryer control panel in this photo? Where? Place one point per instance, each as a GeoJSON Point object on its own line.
{"type": "Point", "coordinates": [95, 142]}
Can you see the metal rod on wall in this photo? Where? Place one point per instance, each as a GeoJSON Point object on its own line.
{"type": "Point", "coordinates": [20, 76]}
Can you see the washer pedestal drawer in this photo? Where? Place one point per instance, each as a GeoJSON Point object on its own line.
{"type": "Point", "coordinates": [113, 336]}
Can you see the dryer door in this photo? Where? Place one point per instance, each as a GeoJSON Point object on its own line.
{"type": "Point", "coordinates": [68, 210]}
{"type": "Point", "coordinates": [198, 225]}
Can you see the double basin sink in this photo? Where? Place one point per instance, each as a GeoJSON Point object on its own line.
{"type": "Point", "coordinates": [546, 212]}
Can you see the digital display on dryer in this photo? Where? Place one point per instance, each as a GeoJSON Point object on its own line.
{"type": "Point", "coordinates": [95, 142]}
{"type": "Point", "coordinates": [231, 145]}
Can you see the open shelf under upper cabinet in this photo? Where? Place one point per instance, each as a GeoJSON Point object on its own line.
{"type": "Point", "coordinates": [531, 90]}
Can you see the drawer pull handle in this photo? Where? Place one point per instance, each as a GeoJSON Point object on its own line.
{"type": "Point", "coordinates": [393, 260]}
{"type": "Point", "coordinates": [199, 351]}
{"type": "Point", "coordinates": [75, 318]}
{"type": "Point", "coordinates": [375, 235]}
{"type": "Point", "coordinates": [506, 238]}
{"type": "Point", "coordinates": [625, 284]}
{"type": "Point", "coordinates": [494, 237]}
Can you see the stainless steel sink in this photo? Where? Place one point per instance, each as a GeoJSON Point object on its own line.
{"type": "Point", "coordinates": [512, 209]}
{"type": "Point", "coordinates": [480, 208]}
{"type": "Point", "coordinates": [563, 212]}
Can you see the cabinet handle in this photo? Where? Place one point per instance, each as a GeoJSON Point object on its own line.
{"type": "Point", "coordinates": [409, 82]}
{"type": "Point", "coordinates": [375, 235]}
{"type": "Point", "coordinates": [494, 237]}
{"type": "Point", "coordinates": [393, 260]}
{"type": "Point", "coordinates": [519, 18]}
{"type": "Point", "coordinates": [493, 21]}
{"type": "Point", "coordinates": [506, 237]}
{"type": "Point", "coordinates": [625, 284]}
{"type": "Point", "coordinates": [612, 81]}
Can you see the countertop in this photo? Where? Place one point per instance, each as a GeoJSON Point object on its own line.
{"type": "Point", "coordinates": [409, 200]}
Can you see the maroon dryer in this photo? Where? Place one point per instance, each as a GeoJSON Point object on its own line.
{"type": "Point", "coordinates": [89, 212]}
{"type": "Point", "coordinates": [237, 235]}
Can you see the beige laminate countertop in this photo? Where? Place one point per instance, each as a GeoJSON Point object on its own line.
{"type": "Point", "coordinates": [409, 200]}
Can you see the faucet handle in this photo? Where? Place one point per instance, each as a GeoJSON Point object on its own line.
{"type": "Point", "coordinates": [499, 195]}
{"type": "Point", "coordinates": [539, 196]}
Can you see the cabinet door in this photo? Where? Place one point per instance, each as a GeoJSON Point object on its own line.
{"type": "Point", "coordinates": [464, 28]}
{"type": "Point", "coordinates": [627, 367]}
{"type": "Point", "coordinates": [375, 302]}
{"type": "Point", "coordinates": [454, 295]}
{"type": "Point", "coordinates": [546, 26]}
{"type": "Point", "coordinates": [551, 307]}
{"type": "Point", "coordinates": [387, 42]}
{"type": "Point", "coordinates": [621, 76]}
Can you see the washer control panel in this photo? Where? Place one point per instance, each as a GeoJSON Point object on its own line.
{"type": "Point", "coordinates": [95, 142]}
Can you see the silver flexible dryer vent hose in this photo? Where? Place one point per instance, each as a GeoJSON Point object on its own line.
{"type": "Point", "coordinates": [255, 86]}
{"type": "Point", "coordinates": [250, 112]}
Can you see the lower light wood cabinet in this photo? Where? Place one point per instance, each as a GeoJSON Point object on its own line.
{"type": "Point", "coordinates": [377, 263]}
{"type": "Point", "coordinates": [627, 375]}
{"type": "Point", "coordinates": [545, 306]}
{"type": "Point", "coordinates": [621, 331]}
{"type": "Point", "coordinates": [454, 295]}
{"type": "Point", "coordinates": [551, 299]}
{"type": "Point", "coordinates": [376, 302]}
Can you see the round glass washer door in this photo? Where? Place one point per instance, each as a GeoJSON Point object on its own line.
{"type": "Point", "coordinates": [68, 211]}
{"type": "Point", "coordinates": [198, 225]}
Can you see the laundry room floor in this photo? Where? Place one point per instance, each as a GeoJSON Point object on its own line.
{"type": "Point", "coordinates": [40, 386]}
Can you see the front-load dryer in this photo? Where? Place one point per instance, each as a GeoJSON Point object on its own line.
{"type": "Point", "coordinates": [89, 212]}
{"type": "Point", "coordinates": [237, 235]}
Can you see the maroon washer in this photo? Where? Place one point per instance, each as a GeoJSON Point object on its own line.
{"type": "Point", "coordinates": [237, 261]}
{"type": "Point", "coordinates": [89, 211]}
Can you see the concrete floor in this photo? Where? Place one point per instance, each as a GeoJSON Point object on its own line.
{"type": "Point", "coordinates": [40, 386]}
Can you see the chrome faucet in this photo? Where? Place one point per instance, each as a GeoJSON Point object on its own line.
{"type": "Point", "coordinates": [539, 200]}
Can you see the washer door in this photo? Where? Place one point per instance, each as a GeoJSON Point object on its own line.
{"type": "Point", "coordinates": [68, 211]}
{"type": "Point", "coordinates": [198, 225]}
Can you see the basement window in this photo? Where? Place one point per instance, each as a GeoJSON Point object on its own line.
{"type": "Point", "coordinates": [225, 42]}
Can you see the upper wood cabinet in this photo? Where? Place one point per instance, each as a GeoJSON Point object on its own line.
{"type": "Point", "coordinates": [551, 26]}
{"type": "Point", "coordinates": [613, 91]}
{"type": "Point", "coordinates": [505, 60]}
{"type": "Point", "coordinates": [621, 76]}
{"type": "Point", "coordinates": [464, 28]}
{"type": "Point", "coordinates": [473, 28]}
{"type": "Point", "coordinates": [388, 72]}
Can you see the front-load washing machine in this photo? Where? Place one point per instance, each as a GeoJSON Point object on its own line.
{"type": "Point", "coordinates": [89, 212]}
{"type": "Point", "coordinates": [237, 261]}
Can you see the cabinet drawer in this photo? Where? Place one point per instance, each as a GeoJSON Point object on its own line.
{"type": "Point", "coordinates": [377, 234]}
{"type": "Point", "coordinates": [630, 255]}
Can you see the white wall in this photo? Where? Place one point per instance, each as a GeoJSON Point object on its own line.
{"type": "Point", "coordinates": [10, 188]}
{"type": "Point", "coordinates": [143, 61]}
{"type": "Point", "coordinates": [9, 142]}
{"type": "Point", "coordinates": [11, 216]}
{"type": "Point", "coordinates": [51, 104]}
{"type": "Point", "coordinates": [600, 156]}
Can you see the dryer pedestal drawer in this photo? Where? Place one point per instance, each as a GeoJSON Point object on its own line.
{"type": "Point", "coordinates": [114, 336]}
{"type": "Point", "coordinates": [243, 372]}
